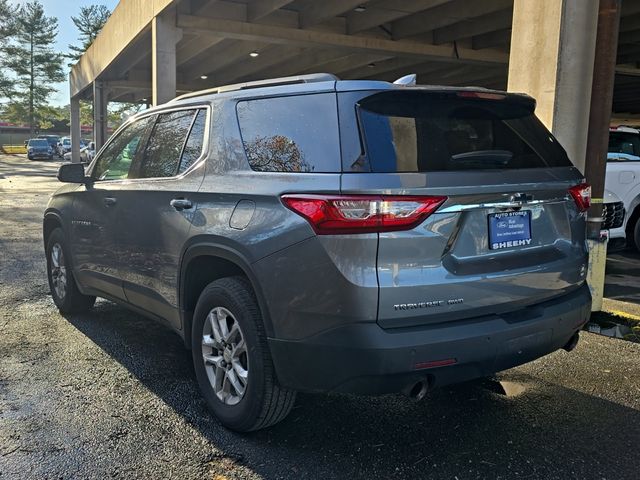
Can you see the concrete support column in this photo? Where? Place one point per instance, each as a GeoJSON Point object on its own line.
{"type": "Point", "coordinates": [552, 53]}
{"type": "Point", "coordinates": [164, 37]}
{"type": "Point", "coordinates": [75, 130]}
{"type": "Point", "coordinates": [100, 115]}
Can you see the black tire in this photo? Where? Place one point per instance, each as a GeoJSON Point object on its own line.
{"type": "Point", "coordinates": [29, 157]}
{"type": "Point", "coordinates": [264, 402]}
{"type": "Point", "coordinates": [633, 235]}
{"type": "Point", "coordinates": [72, 301]}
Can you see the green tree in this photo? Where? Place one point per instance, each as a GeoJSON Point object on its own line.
{"type": "Point", "coordinates": [34, 64]}
{"type": "Point", "coordinates": [7, 30]}
{"type": "Point", "coordinates": [89, 23]}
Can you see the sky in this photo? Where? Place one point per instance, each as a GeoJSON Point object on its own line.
{"type": "Point", "coordinates": [67, 32]}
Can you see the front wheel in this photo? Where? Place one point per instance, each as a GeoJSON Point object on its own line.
{"type": "Point", "coordinates": [64, 289]}
{"type": "Point", "coordinates": [232, 360]}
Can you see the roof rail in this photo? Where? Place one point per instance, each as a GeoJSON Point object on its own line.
{"type": "Point", "coordinates": [272, 82]}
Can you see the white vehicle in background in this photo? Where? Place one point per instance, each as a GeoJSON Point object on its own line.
{"type": "Point", "coordinates": [86, 153]}
{"type": "Point", "coordinates": [622, 186]}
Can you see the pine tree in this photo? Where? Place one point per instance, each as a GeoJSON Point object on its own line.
{"type": "Point", "coordinates": [32, 60]}
{"type": "Point", "coordinates": [89, 23]}
{"type": "Point", "coordinates": [7, 29]}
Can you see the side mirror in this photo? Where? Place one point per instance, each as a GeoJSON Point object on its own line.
{"type": "Point", "coordinates": [72, 173]}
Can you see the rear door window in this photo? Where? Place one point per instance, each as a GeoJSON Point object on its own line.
{"type": "Point", "coordinates": [291, 134]}
{"type": "Point", "coordinates": [434, 131]}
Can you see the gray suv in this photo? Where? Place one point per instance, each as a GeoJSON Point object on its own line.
{"type": "Point", "coordinates": [311, 234]}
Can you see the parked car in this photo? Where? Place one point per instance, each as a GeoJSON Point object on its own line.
{"type": "Point", "coordinates": [322, 235]}
{"type": "Point", "coordinates": [64, 146]}
{"type": "Point", "coordinates": [622, 180]}
{"type": "Point", "coordinates": [53, 141]}
{"type": "Point", "coordinates": [39, 148]}
{"type": "Point", "coordinates": [87, 153]}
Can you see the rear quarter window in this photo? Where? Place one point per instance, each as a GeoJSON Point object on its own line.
{"type": "Point", "coordinates": [291, 134]}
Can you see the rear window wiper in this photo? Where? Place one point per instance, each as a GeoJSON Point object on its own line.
{"type": "Point", "coordinates": [480, 158]}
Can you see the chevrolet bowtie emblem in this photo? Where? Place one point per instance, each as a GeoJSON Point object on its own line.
{"type": "Point", "coordinates": [521, 197]}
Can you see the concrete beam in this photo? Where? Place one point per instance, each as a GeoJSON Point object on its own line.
{"type": "Point", "coordinates": [379, 12]}
{"type": "Point", "coordinates": [326, 60]}
{"type": "Point", "coordinates": [552, 54]}
{"type": "Point", "coordinates": [308, 38]}
{"type": "Point", "coordinates": [247, 67]}
{"type": "Point", "coordinates": [127, 22]}
{"type": "Point", "coordinates": [222, 56]}
{"type": "Point", "coordinates": [75, 130]}
{"type": "Point", "coordinates": [318, 12]}
{"type": "Point", "coordinates": [399, 67]}
{"type": "Point", "coordinates": [263, 8]}
{"type": "Point", "coordinates": [194, 47]}
{"type": "Point", "coordinates": [474, 26]}
{"type": "Point", "coordinates": [100, 114]}
{"type": "Point", "coordinates": [344, 65]}
{"type": "Point", "coordinates": [628, 70]}
{"type": "Point", "coordinates": [499, 38]}
{"type": "Point", "coordinates": [444, 15]}
{"type": "Point", "coordinates": [164, 37]}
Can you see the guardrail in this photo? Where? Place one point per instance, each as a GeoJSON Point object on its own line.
{"type": "Point", "coordinates": [13, 149]}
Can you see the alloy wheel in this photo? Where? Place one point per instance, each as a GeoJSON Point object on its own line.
{"type": "Point", "coordinates": [58, 271]}
{"type": "Point", "coordinates": [224, 353]}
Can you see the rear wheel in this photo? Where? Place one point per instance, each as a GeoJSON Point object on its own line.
{"type": "Point", "coordinates": [232, 361]}
{"type": "Point", "coordinates": [64, 290]}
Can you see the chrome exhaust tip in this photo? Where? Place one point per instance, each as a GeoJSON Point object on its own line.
{"type": "Point", "coordinates": [418, 390]}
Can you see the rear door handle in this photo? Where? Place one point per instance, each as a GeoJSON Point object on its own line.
{"type": "Point", "coordinates": [181, 203]}
{"type": "Point", "coordinates": [109, 201]}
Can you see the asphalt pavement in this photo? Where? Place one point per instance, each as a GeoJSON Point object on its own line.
{"type": "Point", "coordinates": [110, 394]}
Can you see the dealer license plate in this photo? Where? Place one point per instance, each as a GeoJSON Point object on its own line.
{"type": "Point", "coordinates": [509, 229]}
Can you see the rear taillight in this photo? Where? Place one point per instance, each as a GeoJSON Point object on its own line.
{"type": "Point", "coordinates": [335, 214]}
{"type": "Point", "coordinates": [582, 196]}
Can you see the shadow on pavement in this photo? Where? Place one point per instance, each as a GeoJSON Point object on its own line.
{"type": "Point", "coordinates": [540, 430]}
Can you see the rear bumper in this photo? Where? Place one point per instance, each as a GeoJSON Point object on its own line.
{"type": "Point", "coordinates": [364, 358]}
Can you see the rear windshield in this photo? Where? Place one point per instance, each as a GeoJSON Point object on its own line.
{"type": "Point", "coordinates": [38, 143]}
{"type": "Point", "coordinates": [624, 142]}
{"type": "Point", "coordinates": [425, 132]}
